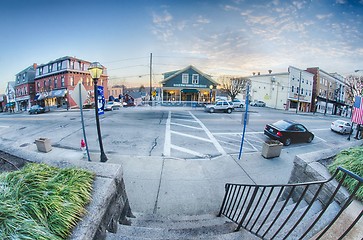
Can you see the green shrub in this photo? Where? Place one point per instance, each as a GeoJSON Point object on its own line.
{"type": "Point", "coordinates": [42, 202]}
{"type": "Point", "coordinates": [352, 160]}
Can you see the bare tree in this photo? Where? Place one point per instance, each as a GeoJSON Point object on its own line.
{"type": "Point", "coordinates": [232, 86]}
{"type": "Point", "coordinates": [354, 87]}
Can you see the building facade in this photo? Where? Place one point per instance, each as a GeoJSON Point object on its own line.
{"type": "Point", "coordinates": [10, 97]}
{"type": "Point", "coordinates": [300, 92]}
{"type": "Point", "coordinates": [56, 80]}
{"type": "Point", "coordinates": [24, 88]}
{"type": "Point", "coordinates": [286, 90]}
{"type": "Point", "coordinates": [328, 92]}
{"type": "Point", "coordinates": [186, 86]}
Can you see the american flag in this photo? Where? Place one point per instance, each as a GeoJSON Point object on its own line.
{"type": "Point", "coordinates": [357, 116]}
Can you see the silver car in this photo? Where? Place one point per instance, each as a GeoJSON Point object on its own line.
{"type": "Point", "coordinates": [219, 106]}
{"type": "Point", "coordinates": [341, 126]}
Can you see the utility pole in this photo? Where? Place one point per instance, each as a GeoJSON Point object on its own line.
{"type": "Point", "coordinates": [151, 61]}
{"type": "Point", "coordinates": [326, 98]}
{"type": "Point", "coordinates": [298, 93]}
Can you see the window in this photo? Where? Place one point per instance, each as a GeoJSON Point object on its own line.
{"type": "Point", "coordinates": [292, 88]}
{"type": "Point", "coordinates": [72, 81]}
{"type": "Point", "coordinates": [45, 84]}
{"type": "Point", "coordinates": [50, 83]}
{"type": "Point", "coordinates": [195, 79]}
{"type": "Point", "coordinates": [50, 68]}
{"type": "Point", "coordinates": [302, 91]}
{"type": "Point", "coordinates": [59, 66]}
{"type": "Point", "coordinates": [55, 82]}
{"type": "Point", "coordinates": [23, 77]}
{"type": "Point", "coordinates": [71, 64]}
{"type": "Point", "coordinates": [185, 78]}
{"type": "Point", "coordinates": [40, 71]}
{"type": "Point", "coordinates": [62, 81]}
{"type": "Point", "coordinates": [38, 86]}
{"type": "Point", "coordinates": [297, 90]}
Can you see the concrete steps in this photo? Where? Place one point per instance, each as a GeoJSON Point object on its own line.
{"type": "Point", "coordinates": [152, 226]}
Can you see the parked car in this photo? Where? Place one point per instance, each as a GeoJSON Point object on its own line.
{"type": "Point", "coordinates": [236, 103]}
{"type": "Point", "coordinates": [111, 105]}
{"type": "Point", "coordinates": [219, 106]}
{"type": "Point", "coordinates": [341, 126]}
{"type": "Point", "coordinates": [35, 109]}
{"type": "Point", "coordinates": [287, 131]}
{"type": "Point", "coordinates": [258, 103]}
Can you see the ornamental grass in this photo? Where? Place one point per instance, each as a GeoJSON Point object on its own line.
{"type": "Point", "coordinates": [352, 160]}
{"type": "Point", "coordinates": [42, 202]}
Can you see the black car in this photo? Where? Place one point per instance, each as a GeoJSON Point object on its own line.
{"type": "Point", "coordinates": [288, 131]}
{"type": "Point", "coordinates": [35, 109]}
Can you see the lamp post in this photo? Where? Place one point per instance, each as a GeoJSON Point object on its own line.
{"type": "Point", "coordinates": [210, 93]}
{"type": "Point", "coordinates": [95, 70]}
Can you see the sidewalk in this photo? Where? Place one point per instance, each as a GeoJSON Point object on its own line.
{"type": "Point", "coordinates": [176, 186]}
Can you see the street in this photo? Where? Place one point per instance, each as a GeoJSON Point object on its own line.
{"type": "Point", "coordinates": [181, 133]}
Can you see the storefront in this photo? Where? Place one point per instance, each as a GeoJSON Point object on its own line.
{"type": "Point", "coordinates": [54, 98]}
{"type": "Point", "coordinates": [187, 86]}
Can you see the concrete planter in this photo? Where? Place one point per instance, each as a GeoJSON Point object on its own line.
{"type": "Point", "coordinates": [43, 144]}
{"type": "Point", "coordinates": [271, 149]}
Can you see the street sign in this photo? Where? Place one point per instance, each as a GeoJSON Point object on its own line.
{"type": "Point", "coordinates": [79, 89]}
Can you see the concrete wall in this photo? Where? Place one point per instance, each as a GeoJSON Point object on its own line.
{"type": "Point", "coordinates": [308, 169]}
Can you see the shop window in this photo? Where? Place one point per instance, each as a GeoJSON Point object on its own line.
{"type": "Point", "coordinates": [185, 78]}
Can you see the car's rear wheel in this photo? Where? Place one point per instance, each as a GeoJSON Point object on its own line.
{"type": "Point", "coordinates": [241, 106]}
{"type": "Point", "coordinates": [229, 110]}
{"type": "Point", "coordinates": [211, 110]}
{"type": "Point", "coordinates": [287, 141]}
{"type": "Point", "coordinates": [311, 137]}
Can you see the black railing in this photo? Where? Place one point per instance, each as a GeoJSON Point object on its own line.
{"type": "Point", "coordinates": [290, 211]}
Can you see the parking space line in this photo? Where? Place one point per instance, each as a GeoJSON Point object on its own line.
{"type": "Point", "coordinates": [191, 136]}
{"type": "Point", "coordinates": [181, 149]}
{"type": "Point", "coordinates": [167, 143]}
{"type": "Point", "coordinates": [229, 143]}
{"type": "Point", "coordinates": [232, 139]}
{"type": "Point", "coordinates": [210, 135]}
{"type": "Point", "coordinates": [187, 126]}
{"type": "Point", "coordinates": [187, 120]}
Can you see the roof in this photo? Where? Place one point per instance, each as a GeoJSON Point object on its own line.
{"type": "Point", "coordinates": [61, 59]}
{"type": "Point", "coordinates": [172, 74]}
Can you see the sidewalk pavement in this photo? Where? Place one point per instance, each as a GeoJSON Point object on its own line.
{"type": "Point", "coordinates": [176, 186]}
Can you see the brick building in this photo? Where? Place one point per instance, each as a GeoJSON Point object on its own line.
{"type": "Point", "coordinates": [54, 81]}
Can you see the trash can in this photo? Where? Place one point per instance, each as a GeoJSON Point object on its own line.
{"type": "Point", "coordinates": [43, 144]}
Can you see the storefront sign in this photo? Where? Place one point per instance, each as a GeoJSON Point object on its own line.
{"type": "Point", "coordinates": [189, 85]}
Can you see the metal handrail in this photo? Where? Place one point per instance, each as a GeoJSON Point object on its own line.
{"type": "Point", "coordinates": [261, 209]}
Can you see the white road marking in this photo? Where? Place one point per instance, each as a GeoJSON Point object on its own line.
{"type": "Point", "coordinates": [236, 145]}
{"type": "Point", "coordinates": [187, 120]}
{"type": "Point", "coordinates": [210, 135]}
{"type": "Point", "coordinates": [232, 139]}
{"type": "Point", "coordinates": [167, 143]}
{"type": "Point", "coordinates": [181, 149]}
{"type": "Point", "coordinates": [187, 126]}
{"type": "Point", "coordinates": [191, 136]}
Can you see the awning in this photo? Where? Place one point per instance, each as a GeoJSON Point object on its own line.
{"type": "Point", "coordinates": [57, 93]}
{"type": "Point", "coordinates": [189, 91]}
{"type": "Point", "coordinates": [10, 104]}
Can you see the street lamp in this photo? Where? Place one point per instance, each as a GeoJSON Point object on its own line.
{"type": "Point", "coordinates": [210, 92]}
{"type": "Point", "coordinates": [95, 69]}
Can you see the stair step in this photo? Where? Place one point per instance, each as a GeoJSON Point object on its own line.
{"type": "Point", "coordinates": [165, 233]}
{"type": "Point", "coordinates": [315, 208]}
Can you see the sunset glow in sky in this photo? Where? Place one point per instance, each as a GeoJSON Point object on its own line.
{"type": "Point", "coordinates": [217, 37]}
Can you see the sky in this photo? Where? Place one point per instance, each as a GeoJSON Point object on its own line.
{"type": "Point", "coordinates": [229, 37]}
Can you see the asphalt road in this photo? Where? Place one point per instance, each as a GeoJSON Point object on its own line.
{"type": "Point", "coordinates": [182, 133]}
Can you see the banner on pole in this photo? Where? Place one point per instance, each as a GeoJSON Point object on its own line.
{"type": "Point", "coordinates": [357, 116]}
{"type": "Point", "coordinates": [101, 100]}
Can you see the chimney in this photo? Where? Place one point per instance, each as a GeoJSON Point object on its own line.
{"type": "Point", "coordinates": [253, 73]}
{"type": "Point", "coordinates": [258, 73]}
{"type": "Point", "coordinates": [35, 66]}
{"type": "Point", "coordinates": [269, 71]}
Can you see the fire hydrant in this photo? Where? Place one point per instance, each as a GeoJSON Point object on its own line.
{"type": "Point", "coordinates": [83, 148]}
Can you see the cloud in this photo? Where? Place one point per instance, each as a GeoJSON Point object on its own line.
{"type": "Point", "coordinates": [324, 16]}
{"type": "Point", "coordinates": [340, 1]}
{"type": "Point", "coordinates": [163, 26]}
{"type": "Point", "coordinates": [230, 8]}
